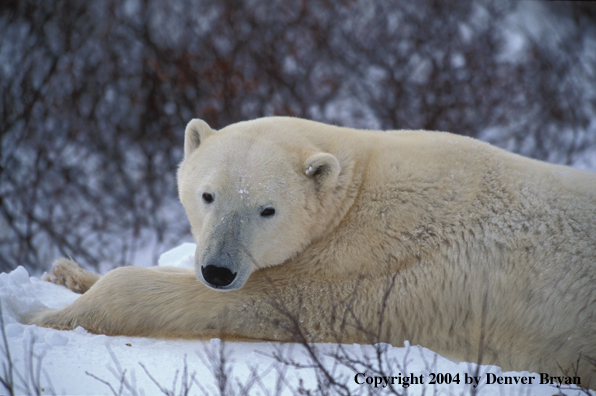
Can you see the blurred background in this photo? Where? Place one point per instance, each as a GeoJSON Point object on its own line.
{"type": "Point", "coordinates": [94, 98]}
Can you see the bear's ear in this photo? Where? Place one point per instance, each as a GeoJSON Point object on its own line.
{"type": "Point", "coordinates": [196, 132]}
{"type": "Point", "coordinates": [323, 168]}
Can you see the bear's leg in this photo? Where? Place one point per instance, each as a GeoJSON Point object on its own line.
{"type": "Point", "coordinates": [67, 273]}
{"type": "Point", "coordinates": [167, 303]}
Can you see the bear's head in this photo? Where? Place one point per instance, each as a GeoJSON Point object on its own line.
{"type": "Point", "coordinates": [256, 194]}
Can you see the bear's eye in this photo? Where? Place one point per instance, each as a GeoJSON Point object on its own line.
{"type": "Point", "coordinates": [208, 198]}
{"type": "Point", "coordinates": [268, 212]}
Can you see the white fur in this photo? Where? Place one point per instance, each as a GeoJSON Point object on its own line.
{"type": "Point", "coordinates": [433, 232]}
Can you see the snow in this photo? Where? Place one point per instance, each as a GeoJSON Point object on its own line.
{"type": "Point", "coordinates": [182, 256]}
{"type": "Point", "coordinates": [79, 363]}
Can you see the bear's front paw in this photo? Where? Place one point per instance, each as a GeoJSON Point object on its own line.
{"type": "Point", "coordinates": [66, 272]}
{"type": "Point", "coordinates": [47, 318]}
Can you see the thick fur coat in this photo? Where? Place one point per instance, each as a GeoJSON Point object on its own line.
{"type": "Point", "coordinates": [323, 233]}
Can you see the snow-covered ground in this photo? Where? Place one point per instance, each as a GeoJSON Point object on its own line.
{"type": "Point", "coordinates": [79, 363]}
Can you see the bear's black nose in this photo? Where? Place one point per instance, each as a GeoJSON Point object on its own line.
{"type": "Point", "coordinates": [218, 276]}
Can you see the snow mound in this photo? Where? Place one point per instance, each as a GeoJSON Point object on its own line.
{"type": "Point", "coordinates": [182, 256]}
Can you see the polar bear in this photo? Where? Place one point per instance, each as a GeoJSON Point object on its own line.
{"type": "Point", "coordinates": [313, 232]}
